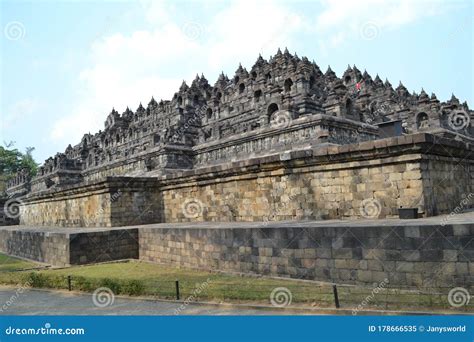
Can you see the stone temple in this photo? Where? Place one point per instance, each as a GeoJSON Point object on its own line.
{"type": "Point", "coordinates": [280, 142]}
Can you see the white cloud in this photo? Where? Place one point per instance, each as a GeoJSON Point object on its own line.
{"type": "Point", "coordinates": [157, 11]}
{"type": "Point", "coordinates": [125, 69]}
{"type": "Point", "coordinates": [19, 111]}
{"type": "Point", "coordinates": [346, 19]}
{"type": "Point", "coordinates": [241, 31]}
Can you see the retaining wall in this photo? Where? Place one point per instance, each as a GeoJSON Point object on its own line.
{"type": "Point", "coordinates": [424, 256]}
{"type": "Point", "coordinates": [61, 248]}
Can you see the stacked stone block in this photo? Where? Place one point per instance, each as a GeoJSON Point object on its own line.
{"type": "Point", "coordinates": [415, 256]}
{"type": "Point", "coordinates": [42, 246]}
{"type": "Point", "coordinates": [103, 246]}
{"type": "Point", "coordinates": [111, 202]}
{"type": "Point", "coordinates": [324, 182]}
{"type": "Point", "coordinates": [63, 248]}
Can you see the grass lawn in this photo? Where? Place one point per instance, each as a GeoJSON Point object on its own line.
{"type": "Point", "coordinates": [160, 281]}
{"type": "Point", "coordinates": [146, 279]}
{"type": "Point", "coordinates": [9, 263]}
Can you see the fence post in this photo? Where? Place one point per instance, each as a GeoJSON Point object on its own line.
{"type": "Point", "coordinates": [177, 289]}
{"type": "Point", "coordinates": [336, 297]}
{"type": "Point", "coordinates": [69, 283]}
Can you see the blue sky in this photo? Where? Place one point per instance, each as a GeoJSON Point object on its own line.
{"type": "Point", "coordinates": [64, 65]}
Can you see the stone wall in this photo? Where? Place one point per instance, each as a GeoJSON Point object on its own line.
{"type": "Point", "coordinates": [428, 254]}
{"type": "Point", "coordinates": [102, 246]}
{"type": "Point", "coordinates": [425, 256]}
{"type": "Point", "coordinates": [370, 179]}
{"type": "Point", "coordinates": [448, 183]}
{"type": "Point", "coordinates": [62, 248]}
{"type": "Point", "coordinates": [112, 202]}
{"type": "Point", "coordinates": [48, 247]}
{"type": "Point", "coordinates": [89, 209]}
{"type": "Point", "coordinates": [339, 190]}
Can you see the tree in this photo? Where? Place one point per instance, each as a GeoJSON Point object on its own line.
{"type": "Point", "coordinates": [28, 162]}
{"type": "Point", "coordinates": [12, 161]}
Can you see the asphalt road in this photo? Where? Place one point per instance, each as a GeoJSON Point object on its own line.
{"type": "Point", "coordinates": [40, 302]}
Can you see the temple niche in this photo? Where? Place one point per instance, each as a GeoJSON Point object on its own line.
{"type": "Point", "coordinates": [422, 121]}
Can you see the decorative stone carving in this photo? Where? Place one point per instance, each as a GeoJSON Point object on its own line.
{"type": "Point", "coordinates": [278, 104]}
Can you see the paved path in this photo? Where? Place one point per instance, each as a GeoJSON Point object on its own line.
{"type": "Point", "coordinates": [41, 302]}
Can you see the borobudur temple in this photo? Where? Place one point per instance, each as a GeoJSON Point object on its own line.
{"type": "Point", "coordinates": [282, 141]}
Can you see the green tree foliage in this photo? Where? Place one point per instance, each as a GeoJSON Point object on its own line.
{"type": "Point", "coordinates": [12, 160]}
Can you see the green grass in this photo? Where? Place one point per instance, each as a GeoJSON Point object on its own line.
{"type": "Point", "coordinates": [8, 263]}
{"type": "Point", "coordinates": [146, 279]}
{"type": "Point", "coordinates": [159, 280]}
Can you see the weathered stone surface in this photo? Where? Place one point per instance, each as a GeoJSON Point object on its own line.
{"type": "Point", "coordinates": [113, 202]}
{"type": "Point", "coordinates": [262, 189]}
{"type": "Point", "coordinates": [70, 247]}
{"type": "Point", "coordinates": [403, 266]}
{"type": "Point", "coordinates": [234, 170]}
{"type": "Point", "coordinates": [281, 141]}
{"type": "Point", "coordinates": [271, 248]}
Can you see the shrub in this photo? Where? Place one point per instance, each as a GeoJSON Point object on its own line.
{"type": "Point", "coordinates": [134, 288]}
{"type": "Point", "coordinates": [36, 279]}
{"type": "Point", "coordinates": [83, 284]}
{"type": "Point", "coordinates": [112, 284]}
